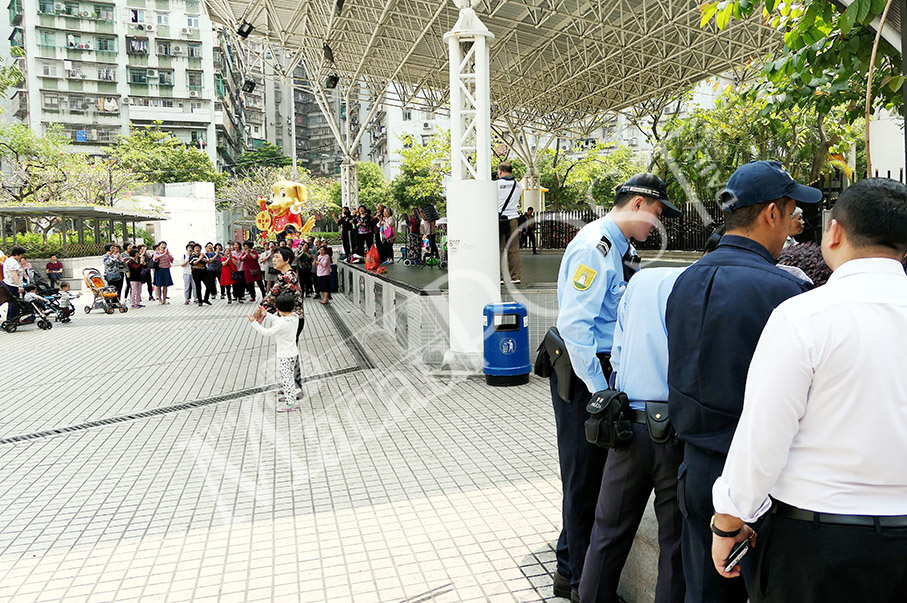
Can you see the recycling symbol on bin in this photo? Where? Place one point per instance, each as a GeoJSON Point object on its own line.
{"type": "Point", "coordinates": [508, 346]}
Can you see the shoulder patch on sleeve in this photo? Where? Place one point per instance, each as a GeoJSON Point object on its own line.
{"type": "Point", "coordinates": [604, 245]}
{"type": "Point", "coordinates": [583, 277]}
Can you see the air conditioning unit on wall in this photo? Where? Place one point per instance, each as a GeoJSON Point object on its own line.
{"type": "Point", "coordinates": [193, 94]}
{"type": "Point", "coordinates": [149, 28]}
{"type": "Point", "coordinates": [185, 31]}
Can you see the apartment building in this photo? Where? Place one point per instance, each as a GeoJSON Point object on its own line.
{"type": "Point", "coordinates": [98, 66]}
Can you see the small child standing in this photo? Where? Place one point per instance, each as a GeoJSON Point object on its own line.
{"type": "Point", "coordinates": [65, 302]}
{"type": "Point", "coordinates": [283, 329]}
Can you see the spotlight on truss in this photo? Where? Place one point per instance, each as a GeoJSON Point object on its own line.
{"type": "Point", "coordinates": [331, 81]}
{"type": "Point", "coordinates": [245, 29]}
{"type": "Point", "coordinates": [328, 53]}
{"type": "Point", "coordinates": [248, 86]}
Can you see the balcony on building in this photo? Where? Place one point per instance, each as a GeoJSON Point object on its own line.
{"type": "Point", "coordinates": [15, 12]}
{"type": "Point", "coordinates": [20, 104]}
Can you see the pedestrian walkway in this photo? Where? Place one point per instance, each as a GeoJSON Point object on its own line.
{"type": "Point", "coordinates": [142, 459]}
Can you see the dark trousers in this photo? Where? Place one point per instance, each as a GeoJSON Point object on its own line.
{"type": "Point", "coordinates": [150, 284]}
{"type": "Point", "coordinates": [12, 310]}
{"type": "Point", "coordinates": [305, 280]}
{"type": "Point", "coordinates": [250, 288]}
{"type": "Point", "coordinates": [239, 286]}
{"type": "Point", "coordinates": [297, 369]}
{"type": "Point", "coordinates": [800, 562]}
{"type": "Point", "coordinates": [212, 282]}
{"type": "Point", "coordinates": [200, 277]}
{"type": "Point", "coordinates": [630, 475]}
{"type": "Point", "coordinates": [346, 238]}
{"type": "Point", "coordinates": [54, 278]}
{"type": "Point", "coordinates": [696, 476]}
{"type": "Point", "coordinates": [116, 284]}
{"type": "Point", "coordinates": [581, 465]}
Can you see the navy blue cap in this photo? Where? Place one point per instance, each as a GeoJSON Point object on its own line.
{"type": "Point", "coordinates": [761, 181]}
{"type": "Point", "coordinates": [650, 185]}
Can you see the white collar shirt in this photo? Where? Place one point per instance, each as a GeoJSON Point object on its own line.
{"type": "Point", "coordinates": [824, 423]}
{"type": "Point", "coordinates": [510, 208]}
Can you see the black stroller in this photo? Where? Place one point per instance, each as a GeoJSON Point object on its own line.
{"type": "Point", "coordinates": [30, 312]}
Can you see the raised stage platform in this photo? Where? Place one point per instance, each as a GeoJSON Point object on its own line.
{"type": "Point", "coordinates": [410, 302]}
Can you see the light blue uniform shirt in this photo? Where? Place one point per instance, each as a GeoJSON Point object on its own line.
{"type": "Point", "coordinates": [589, 286]}
{"type": "Point", "coordinates": [640, 353]}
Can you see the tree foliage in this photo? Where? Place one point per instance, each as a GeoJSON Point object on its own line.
{"type": "Point", "coordinates": [421, 178]}
{"type": "Point", "coordinates": [98, 181]}
{"type": "Point", "coordinates": [35, 166]}
{"type": "Point", "coordinates": [157, 156]}
{"type": "Point", "coordinates": [826, 55]}
{"type": "Point", "coordinates": [700, 152]}
{"type": "Point", "coordinates": [268, 155]}
{"type": "Point", "coordinates": [578, 179]}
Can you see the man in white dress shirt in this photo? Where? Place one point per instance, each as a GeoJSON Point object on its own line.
{"type": "Point", "coordinates": [822, 441]}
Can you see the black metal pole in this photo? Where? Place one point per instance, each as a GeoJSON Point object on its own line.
{"type": "Point", "coordinates": [904, 72]}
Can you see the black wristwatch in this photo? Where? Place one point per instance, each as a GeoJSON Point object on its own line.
{"type": "Point", "coordinates": [719, 532]}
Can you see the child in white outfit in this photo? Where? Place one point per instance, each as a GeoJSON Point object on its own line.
{"type": "Point", "coordinates": [283, 329]}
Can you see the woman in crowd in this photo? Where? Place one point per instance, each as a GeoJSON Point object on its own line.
{"type": "Point", "coordinates": [199, 263]}
{"type": "Point", "coordinates": [386, 236]}
{"type": "Point", "coordinates": [215, 261]}
{"type": "Point", "coordinates": [114, 267]}
{"type": "Point", "coordinates": [251, 269]}
{"type": "Point", "coordinates": [227, 269]}
{"type": "Point", "coordinates": [363, 227]}
{"type": "Point", "coordinates": [324, 273]}
{"type": "Point", "coordinates": [346, 230]}
{"type": "Point", "coordinates": [264, 262]}
{"type": "Point", "coordinates": [188, 284]}
{"type": "Point", "coordinates": [147, 273]}
{"type": "Point", "coordinates": [304, 268]}
{"type": "Point", "coordinates": [237, 274]}
{"type": "Point", "coordinates": [134, 266]}
{"type": "Point", "coordinates": [162, 278]}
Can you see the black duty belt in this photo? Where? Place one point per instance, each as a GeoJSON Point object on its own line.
{"type": "Point", "coordinates": [867, 521]}
{"type": "Point", "coordinates": [638, 416]}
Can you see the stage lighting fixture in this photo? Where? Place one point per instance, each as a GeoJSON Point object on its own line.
{"type": "Point", "coordinates": [248, 86]}
{"type": "Point", "coordinates": [331, 81]}
{"type": "Point", "coordinates": [245, 29]}
{"type": "Point", "coordinates": [328, 53]}
{"type": "Point", "coordinates": [339, 6]}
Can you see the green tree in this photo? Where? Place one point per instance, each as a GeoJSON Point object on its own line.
{"type": "Point", "coordinates": [421, 178]}
{"type": "Point", "coordinates": [157, 156]}
{"type": "Point", "coordinates": [267, 155]}
{"type": "Point", "coordinates": [36, 166]}
{"type": "Point", "coordinates": [242, 194]}
{"type": "Point", "coordinates": [373, 186]}
{"type": "Point", "coordinates": [700, 152]}
{"type": "Point", "coordinates": [826, 57]}
{"type": "Point", "coordinates": [579, 178]}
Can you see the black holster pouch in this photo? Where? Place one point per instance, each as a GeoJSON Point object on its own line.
{"type": "Point", "coordinates": [657, 422]}
{"type": "Point", "coordinates": [553, 358]}
{"type": "Point", "coordinates": [608, 425]}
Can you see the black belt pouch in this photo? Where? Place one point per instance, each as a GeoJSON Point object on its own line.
{"type": "Point", "coordinates": [660, 429]}
{"type": "Point", "coordinates": [607, 425]}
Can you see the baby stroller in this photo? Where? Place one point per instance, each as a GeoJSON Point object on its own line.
{"type": "Point", "coordinates": [54, 307]}
{"type": "Point", "coordinates": [29, 312]}
{"type": "Point", "coordinates": [105, 297]}
{"type": "Point", "coordinates": [42, 285]}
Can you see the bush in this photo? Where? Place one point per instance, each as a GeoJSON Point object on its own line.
{"type": "Point", "coordinates": [35, 247]}
{"type": "Point", "coordinates": [808, 258]}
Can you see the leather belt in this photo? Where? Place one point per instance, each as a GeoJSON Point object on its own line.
{"type": "Point", "coordinates": [638, 416]}
{"type": "Point", "coordinates": [867, 521]}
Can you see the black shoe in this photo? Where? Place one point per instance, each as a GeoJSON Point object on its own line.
{"type": "Point", "coordinates": [562, 586]}
{"type": "Point", "coordinates": [206, 302]}
{"type": "Point", "coordinates": [574, 596]}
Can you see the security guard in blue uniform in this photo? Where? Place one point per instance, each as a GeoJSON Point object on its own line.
{"type": "Point", "coordinates": [593, 275]}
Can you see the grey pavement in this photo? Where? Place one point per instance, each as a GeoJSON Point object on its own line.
{"type": "Point", "coordinates": [141, 458]}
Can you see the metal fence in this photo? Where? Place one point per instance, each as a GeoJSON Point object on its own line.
{"type": "Point", "coordinates": [555, 230]}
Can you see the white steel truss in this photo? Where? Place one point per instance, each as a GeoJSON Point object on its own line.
{"type": "Point", "coordinates": [554, 62]}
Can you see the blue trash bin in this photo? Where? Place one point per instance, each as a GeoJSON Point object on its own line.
{"type": "Point", "coordinates": [506, 335]}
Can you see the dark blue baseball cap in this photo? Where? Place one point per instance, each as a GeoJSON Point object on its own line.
{"type": "Point", "coordinates": [761, 181]}
{"type": "Point", "coordinates": [650, 185]}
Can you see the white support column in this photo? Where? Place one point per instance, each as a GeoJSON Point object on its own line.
{"type": "Point", "coordinates": [349, 184]}
{"type": "Point", "coordinates": [474, 259]}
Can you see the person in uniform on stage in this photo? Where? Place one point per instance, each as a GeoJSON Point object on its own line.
{"type": "Point", "coordinates": [592, 278]}
{"type": "Point", "coordinates": [714, 317]}
{"type": "Point", "coordinates": [639, 358]}
{"type": "Point", "coordinates": [821, 443]}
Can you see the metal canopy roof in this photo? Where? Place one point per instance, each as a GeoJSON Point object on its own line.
{"type": "Point", "coordinates": [553, 61]}
{"type": "Point", "coordinates": [88, 212]}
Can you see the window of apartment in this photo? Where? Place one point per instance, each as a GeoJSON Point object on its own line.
{"type": "Point", "coordinates": [107, 44]}
{"type": "Point", "coordinates": [46, 38]}
{"type": "Point", "coordinates": [165, 77]}
{"type": "Point", "coordinates": [107, 74]}
{"type": "Point", "coordinates": [195, 107]}
{"type": "Point", "coordinates": [49, 69]}
{"type": "Point", "coordinates": [192, 21]}
{"type": "Point", "coordinates": [103, 12]}
{"type": "Point", "coordinates": [194, 79]}
{"type": "Point", "coordinates": [162, 18]}
{"type": "Point", "coordinates": [51, 101]}
{"type": "Point", "coordinates": [138, 76]}
{"type": "Point", "coordinates": [71, 8]}
{"type": "Point", "coordinates": [163, 47]}
{"type": "Point", "coordinates": [194, 50]}
{"type": "Point", "coordinates": [73, 40]}
{"type": "Point", "coordinates": [45, 6]}
{"type": "Point", "coordinates": [407, 115]}
{"type": "Point", "coordinates": [136, 15]}
{"type": "Point", "coordinates": [137, 45]}
{"type": "Point", "coordinates": [78, 102]}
